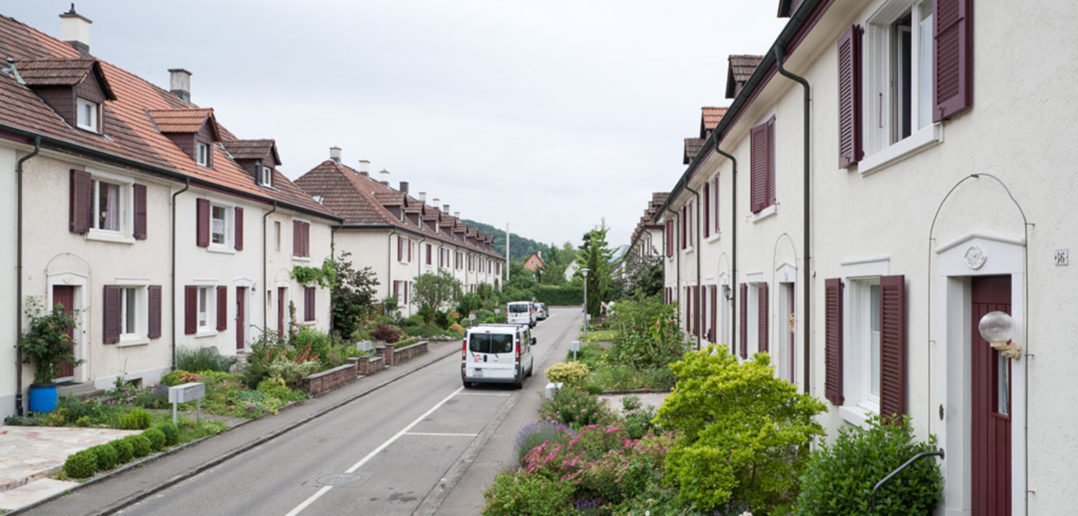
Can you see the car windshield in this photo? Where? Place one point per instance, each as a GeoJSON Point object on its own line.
{"type": "Point", "coordinates": [518, 308]}
{"type": "Point", "coordinates": [490, 343]}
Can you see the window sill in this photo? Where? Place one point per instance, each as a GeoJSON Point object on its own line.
{"type": "Point", "coordinates": [221, 248]}
{"type": "Point", "coordinates": [304, 259]}
{"type": "Point", "coordinates": [205, 333]}
{"type": "Point", "coordinates": [763, 214]}
{"type": "Point", "coordinates": [856, 415]}
{"type": "Point", "coordinates": [923, 139]}
{"type": "Point", "coordinates": [109, 236]}
{"type": "Point", "coordinates": [132, 340]}
{"type": "Point", "coordinates": [714, 236]}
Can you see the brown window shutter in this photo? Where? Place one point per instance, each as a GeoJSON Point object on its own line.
{"type": "Point", "coordinates": [762, 317]}
{"type": "Point", "coordinates": [669, 238]}
{"type": "Point", "coordinates": [202, 222]}
{"type": "Point", "coordinates": [953, 59]}
{"type": "Point", "coordinates": [706, 218]}
{"type": "Point", "coordinates": [716, 207]}
{"type": "Point", "coordinates": [849, 97]}
{"type": "Point", "coordinates": [297, 238]}
{"type": "Point", "coordinates": [892, 346]}
{"type": "Point", "coordinates": [429, 251]}
{"type": "Point", "coordinates": [683, 225]}
{"type": "Point", "coordinates": [111, 311]}
{"type": "Point", "coordinates": [222, 308]}
{"type": "Point", "coordinates": [307, 239]}
{"type": "Point", "coordinates": [238, 243]}
{"type": "Point", "coordinates": [714, 314]}
{"type": "Point", "coordinates": [833, 340]}
{"type": "Point", "coordinates": [153, 309]}
{"type": "Point", "coordinates": [81, 197]}
{"type": "Point", "coordinates": [770, 163]}
{"type": "Point", "coordinates": [758, 168]}
{"type": "Point", "coordinates": [308, 304]}
{"type": "Point", "coordinates": [744, 321]}
{"type": "Point", "coordinates": [400, 248]}
{"type": "Point", "coordinates": [396, 289]}
{"type": "Point", "coordinates": [190, 310]}
{"type": "Point", "coordinates": [409, 243]}
{"type": "Point", "coordinates": [139, 231]}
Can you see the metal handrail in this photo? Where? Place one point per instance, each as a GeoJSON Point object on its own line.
{"type": "Point", "coordinates": [905, 465]}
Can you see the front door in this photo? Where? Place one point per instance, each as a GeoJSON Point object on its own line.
{"type": "Point", "coordinates": [280, 311]}
{"type": "Point", "coordinates": [791, 325]}
{"type": "Point", "coordinates": [64, 295]}
{"type": "Point", "coordinates": [241, 317]}
{"type": "Point", "coordinates": [991, 404]}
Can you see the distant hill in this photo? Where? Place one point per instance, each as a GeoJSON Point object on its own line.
{"type": "Point", "coordinates": [521, 247]}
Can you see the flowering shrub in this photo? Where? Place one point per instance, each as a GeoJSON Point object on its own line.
{"type": "Point", "coordinates": [575, 408]}
{"type": "Point", "coordinates": [569, 373]}
{"type": "Point", "coordinates": [514, 494]}
{"type": "Point", "coordinates": [539, 432]}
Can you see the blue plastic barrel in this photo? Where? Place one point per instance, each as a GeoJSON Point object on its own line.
{"type": "Point", "coordinates": [43, 398]}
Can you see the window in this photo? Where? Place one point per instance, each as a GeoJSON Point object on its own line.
{"type": "Point", "coordinates": [109, 206]}
{"type": "Point", "coordinates": [219, 224]}
{"type": "Point", "coordinates": [762, 170]}
{"type": "Point", "coordinates": [301, 239]}
{"type": "Point", "coordinates": [430, 250]}
{"type": "Point", "coordinates": [205, 309]}
{"type": "Point", "coordinates": [129, 311]}
{"type": "Point", "coordinates": [106, 207]}
{"type": "Point", "coordinates": [267, 176]}
{"type": "Point", "coordinates": [132, 313]}
{"type": "Point", "coordinates": [277, 235]}
{"type": "Point", "coordinates": [88, 115]}
{"type": "Point", "coordinates": [202, 154]}
{"type": "Point", "coordinates": [706, 219]}
{"type": "Point", "coordinates": [864, 348]}
{"type": "Point", "coordinates": [715, 204]}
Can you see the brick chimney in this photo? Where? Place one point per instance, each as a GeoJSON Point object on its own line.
{"type": "Point", "coordinates": [179, 83]}
{"type": "Point", "coordinates": [75, 30]}
{"type": "Point", "coordinates": [335, 153]}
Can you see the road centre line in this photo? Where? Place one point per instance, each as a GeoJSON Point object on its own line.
{"type": "Point", "coordinates": [440, 434]}
{"type": "Point", "coordinates": [376, 451]}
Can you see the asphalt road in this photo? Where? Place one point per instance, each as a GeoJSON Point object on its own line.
{"type": "Point", "coordinates": [421, 445]}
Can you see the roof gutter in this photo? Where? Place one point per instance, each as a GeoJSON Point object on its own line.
{"type": "Point", "coordinates": [18, 270]}
{"type": "Point", "coordinates": [172, 275]}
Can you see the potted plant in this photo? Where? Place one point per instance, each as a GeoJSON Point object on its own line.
{"type": "Point", "coordinates": [47, 344]}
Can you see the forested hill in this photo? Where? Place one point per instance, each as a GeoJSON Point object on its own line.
{"type": "Point", "coordinates": [521, 247]}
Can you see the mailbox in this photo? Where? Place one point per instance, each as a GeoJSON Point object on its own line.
{"type": "Point", "coordinates": [186, 392]}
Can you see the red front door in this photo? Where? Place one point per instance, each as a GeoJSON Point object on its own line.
{"type": "Point", "coordinates": [991, 404]}
{"type": "Point", "coordinates": [790, 323]}
{"type": "Point", "coordinates": [64, 295]}
{"type": "Point", "coordinates": [280, 311]}
{"type": "Point", "coordinates": [241, 316]}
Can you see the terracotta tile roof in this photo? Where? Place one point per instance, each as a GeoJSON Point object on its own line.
{"type": "Point", "coordinates": [709, 119]}
{"type": "Point", "coordinates": [181, 120]}
{"type": "Point", "coordinates": [741, 68]}
{"type": "Point", "coordinates": [129, 134]}
{"type": "Point", "coordinates": [363, 201]}
{"type": "Point", "coordinates": [692, 148]}
{"type": "Point", "coordinates": [253, 149]}
{"type": "Point", "coordinates": [647, 219]}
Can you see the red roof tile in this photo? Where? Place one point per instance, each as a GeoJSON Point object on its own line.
{"type": "Point", "coordinates": [252, 149]}
{"type": "Point", "coordinates": [710, 118]}
{"type": "Point", "coordinates": [180, 120]}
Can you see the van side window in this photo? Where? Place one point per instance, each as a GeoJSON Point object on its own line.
{"type": "Point", "coordinates": [490, 343]}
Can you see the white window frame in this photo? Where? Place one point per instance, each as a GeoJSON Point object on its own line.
{"type": "Point", "coordinates": [140, 335]}
{"type": "Point", "coordinates": [126, 205]}
{"type": "Point", "coordinates": [858, 277]}
{"type": "Point", "coordinates": [882, 147]}
{"type": "Point", "coordinates": [277, 236]}
{"type": "Point", "coordinates": [206, 312]}
{"type": "Point", "coordinates": [267, 176]}
{"type": "Point", "coordinates": [714, 217]}
{"type": "Point", "coordinates": [94, 124]}
{"type": "Point", "coordinates": [202, 154]}
{"type": "Point", "coordinates": [228, 230]}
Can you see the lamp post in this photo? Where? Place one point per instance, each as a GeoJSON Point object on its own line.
{"type": "Point", "coordinates": [585, 272]}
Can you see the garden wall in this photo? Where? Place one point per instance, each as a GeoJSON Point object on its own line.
{"type": "Point", "coordinates": [330, 379]}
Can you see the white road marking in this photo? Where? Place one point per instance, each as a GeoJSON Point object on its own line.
{"type": "Point", "coordinates": [376, 451]}
{"type": "Point", "coordinates": [440, 434]}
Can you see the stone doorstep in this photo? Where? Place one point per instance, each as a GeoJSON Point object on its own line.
{"type": "Point", "coordinates": [31, 492]}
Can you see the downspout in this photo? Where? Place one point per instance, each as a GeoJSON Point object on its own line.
{"type": "Point", "coordinates": [265, 286]}
{"type": "Point", "coordinates": [733, 251]}
{"type": "Point", "coordinates": [677, 259]}
{"type": "Point", "coordinates": [806, 320]}
{"type": "Point", "coordinates": [18, 271]}
{"type": "Point", "coordinates": [172, 272]}
{"type": "Point", "coordinates": [332, 256]}
{"type": "Point", "coordinates": [699, 249]}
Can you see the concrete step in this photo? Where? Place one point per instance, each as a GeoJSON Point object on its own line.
{"type": "Point", "coordinates": [31, 492]}
{"type": "Point", "coordinates": [80, 391]}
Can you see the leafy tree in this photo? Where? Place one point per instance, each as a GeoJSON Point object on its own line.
{"type": "Point", "coordinates": [645, 277]}
{"type": "Point", "coordinates": [595, 254]}
{"type": "Point", "coordinates": [352, 295]}
{"type": "Point", "coordinates": [743, 434]}
{"type": "Point", "coordinates": [432, 291]}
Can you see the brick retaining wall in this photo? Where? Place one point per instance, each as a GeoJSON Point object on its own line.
{"type": "Point", "coordinates": [330, 379]}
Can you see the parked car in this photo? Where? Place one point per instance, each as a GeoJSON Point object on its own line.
{"type": "Point", "coordinates": [520, 312]}
{"type": "Point", "coordinates": [497, 353]}
{"type": "Point", "coordinates": [541, 311]}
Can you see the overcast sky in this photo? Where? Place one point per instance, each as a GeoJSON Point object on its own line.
{"type": "Point", "coordinates": [547, 115]}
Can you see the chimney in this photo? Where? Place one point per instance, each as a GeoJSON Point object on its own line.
{"type": "Point", "coordinates": [445, 208]}
{"type": "Point", "coordinates": [383, 177]}
{"type": "Point", "coordinates": [335, 153]}
{"type": "Point", "coordinates": [422, 196]}
{"type": "Point", "coordinates": [404, 187]}
{"type": "Point", "coordinates": [179, 83]}
{"type": "Point", "coordinates": [75, 30]}
{"type": "Point", "coordinates": [434, 202]}
{"type": "Point", "coordinates": [456, 214]}
{"type": "Point", "coordinates": [364, 168]}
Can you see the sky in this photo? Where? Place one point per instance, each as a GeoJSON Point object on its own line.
{"type": "Point", "coordinates": [550, 116]}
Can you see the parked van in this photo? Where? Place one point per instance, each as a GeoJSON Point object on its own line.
{"type": "Point", "coordinates": [497, 353]}
{"type": "Point", "coordinates": [520, 312]}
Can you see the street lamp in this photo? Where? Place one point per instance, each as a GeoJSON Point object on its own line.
{"type": "Point", "coordinates": [585, 272]}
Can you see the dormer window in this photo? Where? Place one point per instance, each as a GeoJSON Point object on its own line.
{"type": "Point", "coordinates": [202, 154]}
{"type": "Point", "coordinates": [87, 115]}
{"type": "Point", "coordinates": [267, 176]}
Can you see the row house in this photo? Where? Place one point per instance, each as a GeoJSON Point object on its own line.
{"type": "Point", "coordinates": [135, 209]}
{"type": "Point", "coordinates": [646, 240]}
{"type": "Point", "coordinates": [398, 236]}
{"type": "Point", "coordinates": [865, 200]}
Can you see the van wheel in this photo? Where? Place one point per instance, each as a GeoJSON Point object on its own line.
{"type": "Point", "coordinates": [467, 384]}
{"type": "Point", "coordinates": [530, 369]}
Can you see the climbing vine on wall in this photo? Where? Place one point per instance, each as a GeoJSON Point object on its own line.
{"type": "Point", "coordinates": [324, 276]}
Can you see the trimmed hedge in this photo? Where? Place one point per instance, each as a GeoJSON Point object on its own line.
{"type": "Point", "coordinates": [124, 450]}
{"type": "Point", "coordinates": [82, 464]}
{"type": "Point", "coordinates": [106, 456]}
{"type": "Point", "coordinates": [172, 434]}
{"type": "Point", "coordinates": [140, 445]}
{"type": "Point", "coordinates": [156, 438]}
{"type": "Point", "coordinates": [559, 295]}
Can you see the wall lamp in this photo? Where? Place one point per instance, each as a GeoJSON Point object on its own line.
{"type": "Point", "coordinates": [998, 329]}
{"type": "Point", "coordinates": [727, 292]}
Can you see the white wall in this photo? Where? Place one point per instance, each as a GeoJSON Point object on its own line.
{"type": "Point", "coordinates": [8, 277]}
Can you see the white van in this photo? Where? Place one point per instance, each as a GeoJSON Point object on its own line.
{"type": "Point", "coordinates": [520, 312]}
{"type": "Point", "coordinates": [497, 353]}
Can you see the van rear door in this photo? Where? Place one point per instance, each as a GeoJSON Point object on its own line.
{"type": "Point", "coordinates": [492, 355]}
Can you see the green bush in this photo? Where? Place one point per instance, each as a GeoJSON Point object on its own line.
{"type": "Point", "coordinates": [743, 434]}
{"type": "Point", "coordinates": [203, 359]}
{"type": "Point", "coordinates": [563, 295]}
{"type": "Point", "coordinates": [513, 494]}
{"type": "Point", "coordinates": [156, 437]}
{"type": "Point", "coordinates": [648, 335]}
{"type": "Point", "coordinates": [568, 373]}
{"type": "Point", "coordinates": [179, 377]}
{"type": "Point", "coordinates": [140, 445]}
{"type": "Point", "coordinates": [638, 418]}
{"type": "Point", "coordinates": [106, 456]}
{"type": "Point", "coordinates": [575, 408]}
{"type": "Point", "coordinates": [539, 432]}
{"type": "Point", "coordinates": [124, 450]}
{"type": "Point", "coordinates": [137, 419]}
{"type": "Point", "coordinates": [81, 465]}
{"type": "Point", "coordinates": [839, 477]}
{"type": "Point", "coordinates": [172, 434]}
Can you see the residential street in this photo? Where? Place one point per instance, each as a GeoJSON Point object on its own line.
{"type": "Point", "coordinates": [421, 444]}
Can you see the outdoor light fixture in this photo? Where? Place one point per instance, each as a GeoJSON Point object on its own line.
{"type": "Point", "coordinates": [998, 328]}
{"type": "Point", "coordinates": [727, 292]}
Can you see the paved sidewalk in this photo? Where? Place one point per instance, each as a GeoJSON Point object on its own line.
{"type": "Point", "coordinates": [168, 468]}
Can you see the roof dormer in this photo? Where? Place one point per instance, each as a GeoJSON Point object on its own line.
{"type": "Point", "coordinates": [192, 130]}
{"type": "Point", "coordinates": [257, 157]}
{"type": "Point", "coordinates": [75, 88]}
{"type": "Point", "coordinates": [738, 73]}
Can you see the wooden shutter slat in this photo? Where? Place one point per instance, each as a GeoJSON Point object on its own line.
{"type": "Point", "coordinates": [762, 317]}
{"type": "Point", "coordinates": [744, 321]}
{"type": "Point", "coordinates": [833, 340]}
{"type": "Point", "coordinates": [139, 194]}
{"type": "Point", "coordinates": [758, 167]}
{"type": "Point", "coordinates": [892, 346]}
{"type": "Point", "coordinates": [222, 308]}
{"type": "Point", "coordinates": [706, 218]}
{"type": "Point", "coordinates": [190, 309]}
{"type": "Point", "coordinates": [952, 57]}
{"type": "Point", "coordinates": [202, 222]}
{"type": "Point", "coordinates": [112, 314]}
{"type": "Point", "coordinates": [849, 97]}
{"type": "Point", "coordinates": [238, 240]}
{"type": "Point", "coordinates": [81, 194]}
{"type": "Point", "coordinates": [770, 201]}
{"type": "Point", "coordinates": [153, 309]}
{"type": "Point", "coordinates": [714, 314]}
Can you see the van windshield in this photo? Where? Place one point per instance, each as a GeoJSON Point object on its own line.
{"type": "Point", "coordinates": [519, 308]}
{"type": "Point", "coordinates": [491, 343]}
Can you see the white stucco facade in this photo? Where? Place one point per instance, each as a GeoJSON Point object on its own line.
{"type": "Point", "coordinates": [9, 336]}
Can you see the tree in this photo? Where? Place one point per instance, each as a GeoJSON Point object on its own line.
{"type": "Point", "coordinates": [645, 277]}
{"type": "Point", "coordinates": [432, 291]}
{"type": "Point", "coordinates": [595, 255]}
{"type": "Point", "coordinates": [352, 295]}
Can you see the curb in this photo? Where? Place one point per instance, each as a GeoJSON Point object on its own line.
{"type": "Point", "coordinates": [175, 479]}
